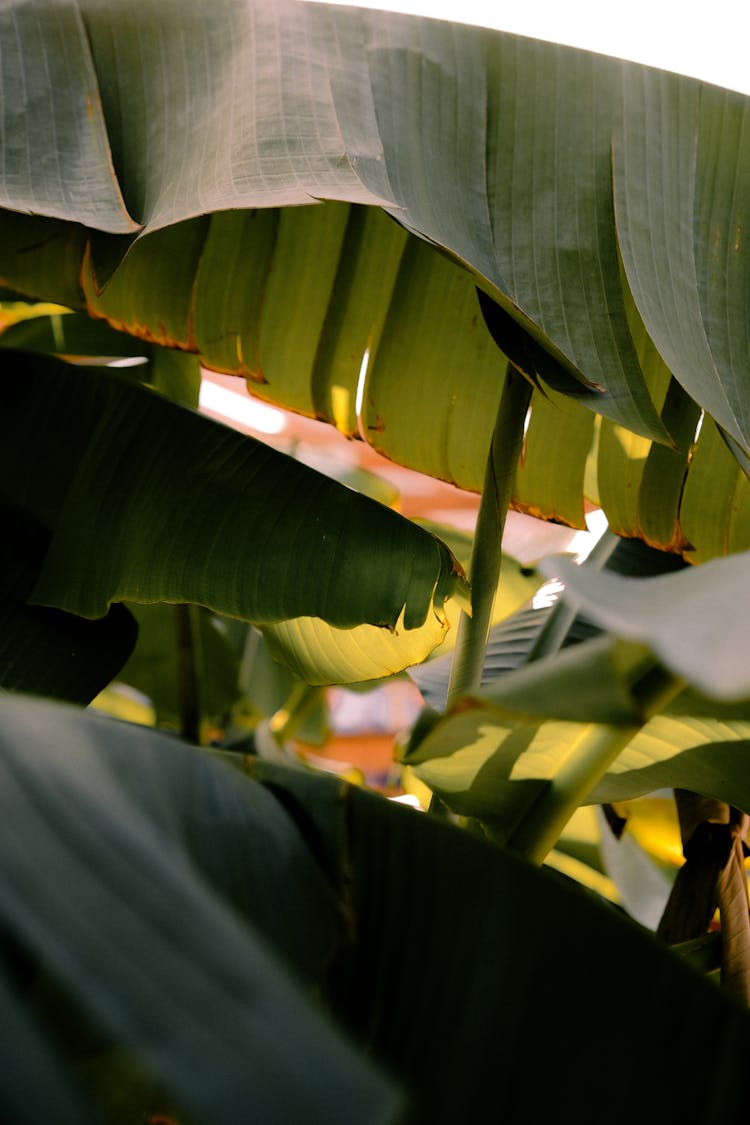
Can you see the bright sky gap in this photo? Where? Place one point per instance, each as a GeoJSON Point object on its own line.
{"type": "Point", "coordinates": [708, 41]}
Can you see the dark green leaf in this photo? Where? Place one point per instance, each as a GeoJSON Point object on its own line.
{"type": "Point", "coordinates": [151, 502]}
{"type": "Point", "coordinates": [152, 669]}
{"type": "Point", "coordinates": [464, 952]}
{"type": "Point", "coordinates": [45, 651]}
{"type": "Point", "coordinates": [152, 883]}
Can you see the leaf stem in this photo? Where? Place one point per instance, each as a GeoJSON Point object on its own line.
{"type": "Point", "coordinates": [486, 555]}
{"type": "Point", "coordinates": [585, 764]}
{"type": "Point", "coordinates": [187, 627]}
{"type": "Point", "coordinates": [285, 722]}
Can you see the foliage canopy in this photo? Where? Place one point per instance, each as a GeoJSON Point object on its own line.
{"type": "Point", "coordinates": [542, 256]}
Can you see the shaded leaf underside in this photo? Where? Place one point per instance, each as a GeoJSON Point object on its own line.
{"type": "Point", "coordinates": [494, 148]}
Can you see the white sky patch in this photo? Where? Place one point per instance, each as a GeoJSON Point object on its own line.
{"type": "Point", "coordinates": [128, 361]}
{"type": "Point", "coordinates": [708, 41]}
{"type": "Point", "coordinates": [236, 408]}
{"type": "Point", "coordinates": [584, 542]}
{"type": "Point", "coordinates": [699, 426]}
{"type": "Point", "coordinates": [581, 545]}
{"type": "Point", "coordinates": [362, 379]}
{"type": "Point", "coordinates": [547, 594]}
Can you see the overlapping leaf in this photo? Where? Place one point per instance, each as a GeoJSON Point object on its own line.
{"type": "Point", "coordinates": [691, 288]}
{"type": "Point", "coordinates": [493, 754]}
{"type": "Point", "coordinates": [164, 895]}
{"type": "Point", "coordinates": [455, 968]}
{"type": "Point", "coordinates": [504, 765]}
{"type": "Point", "coordinates": [502, 157]}
{"type": "Point", "coordinates": [175, 973]}
{"type": "Point", "coordinates": [696, 621]}
{"type": "Point", "coordinates": [708, 756]}
{"type": "Point", "coordinates": [150, 502]}
{"type": "Point", "coordinates": [42, 650]}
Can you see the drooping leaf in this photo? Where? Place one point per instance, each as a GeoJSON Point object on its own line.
{"type": "Point", "coordinates": [321, 654]}
{"type": "Point", "coordinates": [484, 110]}
{"type": "Point", "coordinates": [692, 291]}
{"type": "Point", "coordinates": [53, 58]}
{"type": "Point", "coordinates": [165, 893]}
{"type": "Point", "coordinates": [45, 651]}
{"type": "Point", "coordinates": [152, 502]}
{"type": "Point", "coordinates": [550, 479]}
{"type": "Point", "coordinates": [715, 508]}
{"type": "Point", "coordinates": [503, 161]}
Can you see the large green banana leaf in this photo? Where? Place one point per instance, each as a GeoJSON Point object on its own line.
{"type": "Point", "coordinates": [137, 893]}
{"type": "Point", "coordinates": [140, 499]}
{"type": "Point", "coordinates": [169, 922]}
{"type": "Point", "coordinates": [160, 170]}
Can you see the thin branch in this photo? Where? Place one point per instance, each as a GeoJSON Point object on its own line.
{"type": "Point", "coordinates": [585, 764]}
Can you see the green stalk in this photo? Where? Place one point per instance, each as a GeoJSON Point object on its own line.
{"type": "Point", "coordinates": [484, 568]}
{"type": "Point", "coordinates": [285, 723]}
{"type": "Point", "coordinates": [585, 764]}
{"type": "Point", "coordinates": [187, 626]}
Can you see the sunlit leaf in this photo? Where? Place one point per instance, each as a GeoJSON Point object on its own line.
{"type": "Point", "coordinates": [321, 654]}
{"type": "Point", "coordinates": [708, 756]}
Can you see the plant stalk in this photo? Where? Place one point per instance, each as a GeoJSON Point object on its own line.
{"type": "Point", "coordinates": [586, 763]}
{"type": "Point", "coordinates": [486, 555]}
{"type": "Point", "coordinates": [187, 628]}
{"type": "Point", "coordinates": [285, 723]}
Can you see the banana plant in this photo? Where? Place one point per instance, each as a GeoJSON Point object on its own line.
{"type": "Point", "coordinates": [517, 267]}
